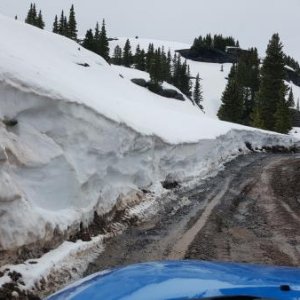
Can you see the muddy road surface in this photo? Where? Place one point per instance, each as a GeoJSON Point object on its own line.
{"type": "Point", "coordinates": [249, 212]}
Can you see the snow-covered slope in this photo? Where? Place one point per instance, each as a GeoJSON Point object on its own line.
{"type": "Point", "coordinates": [87, 139]}
{"type": "Point", "coordinates": [213, 80]}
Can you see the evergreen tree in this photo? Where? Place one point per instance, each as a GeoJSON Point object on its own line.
{"type": "Point", "coordinates": [127, 54]}
{"type": "Point", "coordinates": [232, 100]}
{"type": "Point", "coordinates": [61, 24]}
{"type": "Point", "coordinates": [72, 25]}
{"type": "Point", "coordinates": [139, 59]}
{"type": "Point", "coordinates": [270, 100]}
{"type": "Point", "coordinates": [103, 42]}
{"type": "Point", "coordinates": [34, 15]}
{"type": "Point", "coordinates": [55, 28]}
{"type": "Point", "coordinates": [156, 68]}
{"type": "Point", "coordinates": [283, 122]}
{"type": "Point", "coordinates": [89, 42]}
{"type": "Point", "coordinates": [33, 18]}
{"type": "Point", "coordinates": [291, 101]}
{"type": "Point", "coordinates": [117, 56]}
{"type": "Point", "coordinates": [149, 57]}
{"type": "Point", "coordinates": [198, 95]}
{"type": "Point", "coordinates": [30, 19]}
{"type": "Point", "coordinates": [298, 105]}
{"type": "Point", "coordinates": [39, 21]}
{"type": "Point", "coordinates": [165, 66]}
{"type": "Point", "coordinates": [185, 81]}
{"type": "Point", "coordinates": [248, 79]}
{"type": "Point", "coordinates": [66, 27]}
{"type": "Point", "coordinates": [97, 39]}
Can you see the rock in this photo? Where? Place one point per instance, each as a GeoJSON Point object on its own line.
{"type": "Point", "coordinates": [170, 93]}
{"type": "Point", "coordinates": [139, 81]}
{"type": "Point", "coordinates": [10, 122]}
{"type": "Point", "coordinates": [158, 89]}
{"type": "Point", "coordinates": [86, 65]}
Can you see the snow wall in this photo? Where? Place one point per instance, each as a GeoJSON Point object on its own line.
{"type": "Point", "coordinates": [63, 161]}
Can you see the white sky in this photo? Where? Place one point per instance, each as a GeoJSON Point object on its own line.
{"type": "Point", "coordinates": [250, 21]}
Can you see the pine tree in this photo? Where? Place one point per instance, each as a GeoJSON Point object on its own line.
{"type": "Point", "coordinates": [127, 54]}
{"type": "Point", "coordinates": [66, 27]}
{"type": "Point", "coordinates": [55, 28]}
{"type": "Point", "coordinates": [291, 101]}
{"type": "Point", "coordinates": [155, 68]}
{"type": "Point", "coordinates": [270, 100]}
{"type": "Point", "coordinates": [232, 100]}
{"type": "Point", "coordinates": [72, 25]}
{"type": "Point", "coordinates": [283, 123]}
{"type": "Point", "coordinates": [30, 18]}
{"type": "Point", "coordinates": [89, 42]}
{"type": "Point", "coordinates": [149, 56]}
{"type": "Point", "coordinates": [61, 24]}
{"type": "Point", "coordinates": [103, 43]}
{"type": "Point", "coordinates": [175, 80]}
{"type": "Point", "coordinates": [139, 59]}
{"type": "Point", "coordinates": [198, 95]}
{"type": "Point", "coordinates": [34, 15]}
{"type": "Point", "coordinates": [39, 21]}
{"type": "Point", "coordinates": [33, 18]}
{"type": "Point", "coordinates": [117, 56]}
{"type": "Point", "coordinates": [97, 39]}
{"type": "Point", "coordinates": [248, 79]}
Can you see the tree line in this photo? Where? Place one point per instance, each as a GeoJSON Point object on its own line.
{"type": "Point", "coordinates": [258, 96]}
{"type": "Point", "coordinates": [218, 41]}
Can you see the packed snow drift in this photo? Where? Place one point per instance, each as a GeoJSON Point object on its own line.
{"type": "Point", "coordinates": [77, 138]}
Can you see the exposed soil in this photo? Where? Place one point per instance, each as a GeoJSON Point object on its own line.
{"type": "Point", "coordinates": [249, 212]}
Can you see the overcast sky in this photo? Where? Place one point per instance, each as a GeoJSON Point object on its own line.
{"type": "Point", "coordinates": [250, 21]}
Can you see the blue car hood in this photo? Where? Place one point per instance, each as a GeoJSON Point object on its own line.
{"type": "Point", "coordinates": [186, 280]}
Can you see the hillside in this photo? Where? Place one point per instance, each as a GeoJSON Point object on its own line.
{"type": "Point", "coordinates": [213, 81]}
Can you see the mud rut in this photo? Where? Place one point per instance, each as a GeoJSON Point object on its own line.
{"type": "Point", "coordinates": [249, 212]}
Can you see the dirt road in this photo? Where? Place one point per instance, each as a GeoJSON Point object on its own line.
{"type": "Point", "coordinates": [249, 212]}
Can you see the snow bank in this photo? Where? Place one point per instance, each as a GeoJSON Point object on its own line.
{"type": "Point", "coordinates": [87, 139]}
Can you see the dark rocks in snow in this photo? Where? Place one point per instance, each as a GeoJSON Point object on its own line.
{"type": "Point", "coordinates": [86, 65]}
{"type": "Point", "coordinates": [170, 93]}
{"type": "Point", "coordinates": [140, 81]}
{"type": "Point", "coordinates": [159, 90]}
{"type": "Point", "coordinates": [249, 146]}
{"type": "Point", "coordinates": [10, 122]}
{"type": "Point", "coordinates": [169, 183]}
